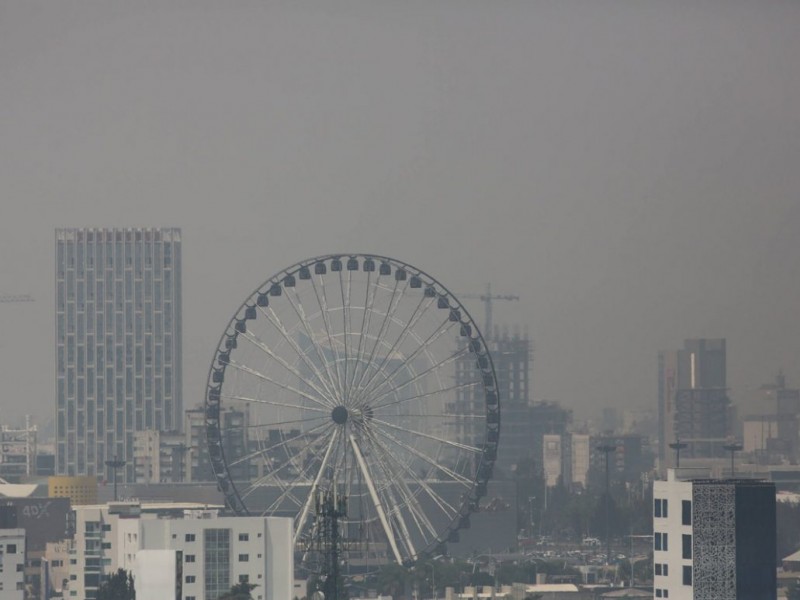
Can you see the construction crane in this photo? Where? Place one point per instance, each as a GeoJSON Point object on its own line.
{"type": "Point", "coordinates": [16, 298]}
{"type": "Point", "coordinates": [487, 300]}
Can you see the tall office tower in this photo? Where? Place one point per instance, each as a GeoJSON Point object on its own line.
{"type": "Point", "coordinates": [118, 344]}
{"type": "Point", "coordinates": [693, 402]}
{"type": "Point", "coordinates": [713, 538]}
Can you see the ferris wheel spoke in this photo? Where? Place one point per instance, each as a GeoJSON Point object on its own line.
{"type": "Point", "coordinates": [304, 472]}
{"type": "Point", "coordinates": [428, 436]}
{"type": "Point", "coordinates": [369, 299]}
{"type": "Point", "coordinates": [424, 457]}
{"type": "Point", "coordinates": [287, 487]}
{"type": "Point", "coordinates": [376, 501]}
{"type": "Point", "coordinates": [323, 305]}
{"type": "Point", "coordinates": [301, 520]}
{"type": "Point", "coordinates": [414, 507]}
{"type": "Point", "coordinates": [444, 328]}
{"type": "Point", "coordinates": [420, 375]}
{"type": "Point", "coordinates": [297, 306]}
{"type": "Point", "coordinates": [391, 308]}
{"type": "Point", "coordinates": [276, 322]}
{"type": "Point", "coordinates": [456, 387]}
{"type": "Point", "coordinates": [345, 314]}
{"type": "Point", "coordinates": [409, 498]}
{"type": "Point", "coordinates": [250, 371]}
{"type": "Point", "coordinates": [397, 511]}
{"type": "Point", "coordinates": [447, 509]}
{"type": "Point", "coordinates": [413, 320]}
{"type": "Point", "coordinates": [258, 343]}
{"type": "Point", "coordinates": [264, 451]}
{"type": "Point", "coordinates": [273, 403]}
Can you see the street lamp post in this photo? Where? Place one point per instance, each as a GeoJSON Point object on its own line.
{"type": "Point", "coordinates": [607, 449]}
{"type": "Point", "coordinates": [733, 448]}
{"type": "Point", "coordinates": [115, 463]}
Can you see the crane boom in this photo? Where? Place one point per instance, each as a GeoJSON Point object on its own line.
{"type": "Point", "coordinates": [16, 298]}
{"type": "Point", "coordinates": [487, 299]}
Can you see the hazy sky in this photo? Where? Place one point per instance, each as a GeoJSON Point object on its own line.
{"type": "Point", "coordinates": [630, 169]}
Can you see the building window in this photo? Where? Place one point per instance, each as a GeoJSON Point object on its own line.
{"type": "Point", "coordinates": [216, 561]}
{"type": "Point", "coordinates": [244, 537]}
{"type": "Point", "coordinates": [11, 549]}
{"type": "Point", "coordinates": [687, 575]}
{"type": "Point", "coordinates": [190, 579]}
{"type": "Point", "coordinates": [658, 593]}
{"type": "Point", "coordinates": [660, 508]}
{"type": "Point", "coordinates": [660, 541]}
{"type": "Point", "coordinates": [665, 569]}
{"type": "Point", "coordinates": [658, 568]}
{"type": "Point", "coordinates": [686, 512]}
{"type": "Point", "coordinates": [244, 578]}
{"type": "Point", "coordinates": [189, 558]}
{"type": "Point", "coordinates": [244, 557]}
{"type": "Point", "coordinates": [687, 546]}
{"type": "Point", "coordinates": [189, 537]}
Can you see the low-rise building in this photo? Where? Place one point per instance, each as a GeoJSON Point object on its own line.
{"type": "Point", "coordinates": [12, 564]}
{"type": "Point", "coordinates": [209, 553]}
{"type": "Point", "coordinates": [713, 538]}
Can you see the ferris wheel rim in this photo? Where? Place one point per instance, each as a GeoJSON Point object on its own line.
{"type": "Point", "coordinates": [476, 345]}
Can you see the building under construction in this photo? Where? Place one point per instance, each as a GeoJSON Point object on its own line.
{"type": "Point", "coordinates": [512, 356]}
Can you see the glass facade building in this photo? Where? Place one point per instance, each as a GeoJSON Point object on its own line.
{"type": "Point", "coordinates": [118, 344]}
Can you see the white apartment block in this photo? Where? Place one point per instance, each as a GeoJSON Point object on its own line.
{"type": "Point", "coordinates": [210, 553]}
{"type": "Point", "coordinates": [12, 564]}
{"type": "Point", "coordinates": [713, 539]}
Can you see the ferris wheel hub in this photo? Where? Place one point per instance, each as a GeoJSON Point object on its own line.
{"type": "Point", "coordinates": [339, 415]}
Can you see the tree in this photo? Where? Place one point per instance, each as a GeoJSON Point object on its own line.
{"type": "Point", "coordinates": [240, 591]}
{"type": "Point", "coordinates": [118, 587]}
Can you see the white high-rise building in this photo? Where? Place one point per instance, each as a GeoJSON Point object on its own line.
{"type": "Point", "coordinates": [118, 344]}
{"type": "Point", "coordinates": [713, 539]}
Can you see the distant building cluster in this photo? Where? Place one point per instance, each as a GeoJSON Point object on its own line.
{"type": "Point", "coordinates": [130, 483]}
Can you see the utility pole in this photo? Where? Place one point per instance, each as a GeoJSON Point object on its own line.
{"type": "Point", "coordinates": [607, 449]}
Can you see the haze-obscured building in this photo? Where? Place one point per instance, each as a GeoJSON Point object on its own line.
{"type": "Point", "coordinates": [511, 356]}
{"type": "Point", "coordinates": [118, 344]}
{"type": "Point", "coordinates": [693, 402]}
{"type": "Point", "coordinates": [773, 433]}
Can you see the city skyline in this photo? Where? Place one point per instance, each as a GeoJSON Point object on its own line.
{"type": "Point", "coordinates": [634, 191]}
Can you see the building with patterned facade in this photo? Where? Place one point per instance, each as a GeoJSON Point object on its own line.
{"type": "Point", "coordinates": [118, 344]}
{"type": "Point", "coordinates": [713, 539]}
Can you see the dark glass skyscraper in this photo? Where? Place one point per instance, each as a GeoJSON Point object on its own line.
{"type": "Point", "coordinates": [118, 344]}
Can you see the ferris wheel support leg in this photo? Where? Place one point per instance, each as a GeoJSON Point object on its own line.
{"type": "Point", "coordinates": [376, 500]}
{"type": "Point", "coordinates": [304, 514]}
